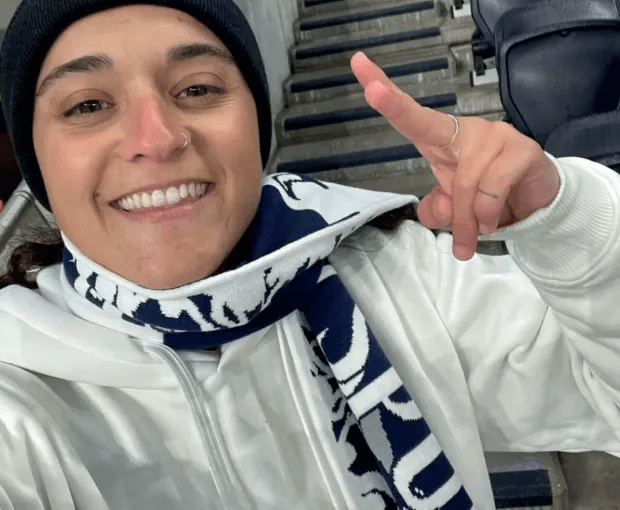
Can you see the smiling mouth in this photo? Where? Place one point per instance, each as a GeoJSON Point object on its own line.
{"type": "Point", "coordinates": [163, 198]}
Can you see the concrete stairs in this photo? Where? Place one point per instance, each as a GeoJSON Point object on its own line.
{"type": "Point", "coordinates": [328, 130]}
{"type": "Point", "coordinates": [431, 26]}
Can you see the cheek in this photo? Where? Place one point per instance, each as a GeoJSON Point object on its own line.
{"type": "Point", "coordinates": [65, 162]}
{"type": "Point", "coordinates": [54, 166]}
{"type": "Point", "coordinates": [249, 173]}
{"type": "Point", "coordinates": [241, 146]}
{"type": "Point", "coordinates": [69, 170]}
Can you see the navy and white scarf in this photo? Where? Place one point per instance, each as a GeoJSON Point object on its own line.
{"type": "Point", "coordinates": [281, 266]}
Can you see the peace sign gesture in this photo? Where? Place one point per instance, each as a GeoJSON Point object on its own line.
{"type": "Point", "coordinates": [489, 175]}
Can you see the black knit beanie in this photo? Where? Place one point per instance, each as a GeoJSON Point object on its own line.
{"type": "Point", "coordinates": [38, 23]}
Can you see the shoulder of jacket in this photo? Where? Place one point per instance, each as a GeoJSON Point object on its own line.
{"type": "Point", "coordinates": [369, 239]}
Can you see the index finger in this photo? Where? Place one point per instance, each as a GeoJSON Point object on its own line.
{"type": "Point", "coordinates": [419, 124]}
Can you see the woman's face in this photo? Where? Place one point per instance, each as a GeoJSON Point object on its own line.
{"type": "Point", "coordinates": [115, 94]}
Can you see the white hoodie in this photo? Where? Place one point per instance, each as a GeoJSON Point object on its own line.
{"type": "Point", "coordinates": [513, 353]}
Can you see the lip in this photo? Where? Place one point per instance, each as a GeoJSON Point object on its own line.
{"type": "Point", "coordinates": [183, 209]}
{"type": "Point", "coordinates": [152, 187]}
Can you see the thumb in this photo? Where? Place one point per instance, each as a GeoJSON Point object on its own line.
{"type": "Point", "coordinates": [435, 209]}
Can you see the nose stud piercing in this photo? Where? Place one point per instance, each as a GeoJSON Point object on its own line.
{"type": "Point", "coordinates": [185, 143]}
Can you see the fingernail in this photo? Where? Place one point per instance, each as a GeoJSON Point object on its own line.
{"type": "Point", "coordinates": [363, 55]}
{"type": "Point", "coordinates": [461, 252]}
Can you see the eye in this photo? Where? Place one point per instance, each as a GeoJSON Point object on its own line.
{"type": "Point", "coordinates": [89, 107]}
{"type": "Point", "coordinates": [200, 91]}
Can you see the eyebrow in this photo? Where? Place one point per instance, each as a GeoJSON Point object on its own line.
{"type": "Point", "coordinates": [85, 64]}
{"type": "Point", "coordinates": [186, 52]}
{"type": "Point", "coordinates": [101, 62]}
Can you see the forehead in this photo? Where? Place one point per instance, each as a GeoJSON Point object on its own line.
{"type": "Point", "coordinates": [126, 31]}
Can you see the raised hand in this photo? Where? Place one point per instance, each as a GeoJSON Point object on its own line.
{"type": "Point", "coordinates": [489, 175]}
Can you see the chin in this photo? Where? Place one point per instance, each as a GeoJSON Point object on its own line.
{"type": "Point", "coordinates": [173, 281]}
{"type": "Point", "coordinates": [170, 268]}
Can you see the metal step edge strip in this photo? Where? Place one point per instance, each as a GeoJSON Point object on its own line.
{"type": "Point", "coordinates": [314, 3]}
{"type": "Point", "coordinates": [356, 17]}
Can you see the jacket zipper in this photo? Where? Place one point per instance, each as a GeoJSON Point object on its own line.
{"type": "Point", "coordinates": [211, 442]}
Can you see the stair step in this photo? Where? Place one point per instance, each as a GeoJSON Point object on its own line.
{"type": "Point", "coordinates": [522, 489]}
{"type": "Point", "coordinates": [430, 65]}
{"type": "Point", "coordinates": [292, 123]}
{"type": "Point", "coordinates": [527, 481]}
{"type": "Point", "coordinates": [352, 114]}
{"type": "Point", "coordinates": [363, 14]}
{"type": "Point", "coordinates": [310, 8]}
{"type": "Point", "coordinates": [384, 161]}
{"type": "Point", "coordinates": [353, 19]}
{"type": "Point", "coordinates": [347, 44]}
{"type": "Point", "coordinates": [353, 159]}
{"type": "Point", "coordinates": [313, 3]}
{"type": "Point", "coordinates": [405, 39]}
{"type": "Point", "coordinates": [329, 119]}
{"type": "Point", "coordinates": [398, 169]}
{"type": "Point", "coordinates": [347, 159]}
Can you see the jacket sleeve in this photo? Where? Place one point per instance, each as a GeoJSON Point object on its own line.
{"type": "Point", "coordinates": [540, 344]}
{"type": "Point", "coordinates": [515, 353]}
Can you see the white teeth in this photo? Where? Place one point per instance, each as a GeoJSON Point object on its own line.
{"type": "Point", "coordinates": [159, 198]}
{"type": "Point", "coordinates": [183, 191]}
{"type": "Point", "coordinates": [173, 196]}
{"type": "Point", "coordinates": [146, 200]}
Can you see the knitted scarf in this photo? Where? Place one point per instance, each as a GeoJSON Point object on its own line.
{"type": "Point", "coordinates": [281, 266]}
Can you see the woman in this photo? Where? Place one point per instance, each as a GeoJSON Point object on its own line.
{"type": "Point", "coordinates": [214, 338]}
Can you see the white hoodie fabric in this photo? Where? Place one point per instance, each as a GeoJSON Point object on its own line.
{"type": "Point", "coordinates": [512, 353]}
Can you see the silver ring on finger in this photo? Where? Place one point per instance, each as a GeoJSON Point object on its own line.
{"type": "Point", "coordinates": [456, 132]}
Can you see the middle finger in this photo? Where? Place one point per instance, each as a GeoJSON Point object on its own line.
{"type": "Point", "coordinates": [465, 189]}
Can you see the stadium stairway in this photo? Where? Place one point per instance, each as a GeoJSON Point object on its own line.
{"type": "Point", "coordinates": [326, 128]}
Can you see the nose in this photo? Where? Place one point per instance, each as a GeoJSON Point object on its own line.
{"type": "Point", "coordinates": [152, 131]}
